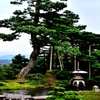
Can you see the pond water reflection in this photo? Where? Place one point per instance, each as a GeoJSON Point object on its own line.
{"type": "Point", "coordinates": [34, 92]}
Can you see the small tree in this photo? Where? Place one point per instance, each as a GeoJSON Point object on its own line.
{"type": "Point", "coordinates": [7, 72]}
{"type": "Point", "coordinates": [18, 62]}
{"type": "Point", "coordinates": [59, 93]}
{"type": "Point", "coordinates": [66, 48]}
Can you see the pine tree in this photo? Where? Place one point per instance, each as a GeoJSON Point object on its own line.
{"type": "Point", "coordinates": [47, 22]}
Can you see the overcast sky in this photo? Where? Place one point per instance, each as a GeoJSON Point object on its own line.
{"type": "Point", "coordinates": [88, 10]}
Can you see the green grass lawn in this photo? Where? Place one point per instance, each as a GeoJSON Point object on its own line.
{"type": "Point", "coordinates": [90, 95]}
{"type": "Point", "coordinates": [21, 84]}
{"type": "Point", "coordinates": [15, 85]}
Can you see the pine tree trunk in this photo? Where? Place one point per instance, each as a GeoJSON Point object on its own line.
{"type": "Point", "coordinates": [60, 61]}
{"type": "Point", "coordinates": [89, 62]}
{"type": "Point", "coordinates": [51, 56]}
{"type": "Point", "coordinates": [36, 49]}
{"type": "Point", "coordinates": [55, 60]}
{"type": "Point", "coordinates": [25, 71]}
{"type": "Point", "coordinates": [74, 63]}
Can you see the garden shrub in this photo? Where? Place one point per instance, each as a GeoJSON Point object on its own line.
{"type": "Point", "coordinates": [2, 76]}
{"type": "Point", "coordinates": [90, 83]}
{"type": "Point", "coordinates": [64, 74]}
{"type": "Point", "coordinates": [97, 80]}
{"type": "Point", "coordinates": [72, 95]}
{"type": "Point", "coordinates": [19, 61]}
{"type": "Point", "coordinates": [59, 93]}
{"type": "Point", "coordinates": [37, 78]}
{"type": "Point", "coordinates": [6, 72]}
{"type": "Point", "coordinates": [62, 82]}
{"type": "Point", "coordinates": [53, 72]}
{"type": "Point", "coordinates": [40, 66]}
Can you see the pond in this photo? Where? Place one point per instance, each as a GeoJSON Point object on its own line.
{"type": "Point", "coordinates": [34, 92]}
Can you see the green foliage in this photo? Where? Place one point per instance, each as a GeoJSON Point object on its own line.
{"type": "Point", "coordinates": [35, 76]}
{"type": "Point", "coordinates": [97, 80]}
{"type": "Point", "coordinates": [96, 52]}
{"type": "Point", "coordinates": [1, 74]}
{"type": "Point", "coordinates": [53, 72]}
{"type": "Point", "coordinates": [66, 48]}
{"type": "Point", "coordinates": [19, 61]}
{"type": "Point", "coordinates": [8, 37]}
{"type": "Point", "coordinates": [96, 62]}
{"type": "Point", "coordinates": [64, 74]}
{"type": "Point", "coordinates": [90, 82]}
{"type": "Point", "coordinates": [89, 58]}
{"type": "Point", "coordinates": [61, 74]}
{"type": "Point", "coordinates": [59, 93]}
{"type": "Point", "coordinates": [72, 95]}
{"type": "Point", "coordinates": [55, 98]}
{"type": "Point", "coordinates": [15, 85]}
{"type": "Point", "coordinates": [40, 66]}
{"type": "Point", "coordinates": [7, 72]}
{"type": "Point", "coordinates": [10, 71]}
{"type": "Point", "coordinates": [90, 95]}
{"type": "Point", "coordinates": [64, 83]}
{"type": "Point", "coordinates": [37, 79]}
{"type": "Point", "coordinates": [97, 77]}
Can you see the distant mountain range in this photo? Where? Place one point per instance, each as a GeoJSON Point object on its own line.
{"type": "Point", "coordinates": [2, 62]}
{"type": "Point", "coordinates": [6, 59]}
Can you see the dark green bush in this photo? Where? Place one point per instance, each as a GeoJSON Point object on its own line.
{"type": "Point", "coordinates": [35, 76]}
{"type": "Point", "coordinates": [72, 95]}
{"type": "Point", "coordinates": [59, 93]}
{"type": "Point", "coordinates": [53, 72]}
{"type": "Point", "coordinates": [40, 66]}
{"type": "Point", "coordinates": [62, 82]}
{"type": "Point", "coordinates": [1, 75]}
{"type": "Point", "coordinates": [90, 81]}
{"type": "Point", "coordinates": [37, 79]}
{"type": "Point", "coordinates": [6, 72]}
{"type": "Point", "coordinates": [19, 61]}
{"type": "Point", "coordinates": [64, 74]}
{"type": "Point", "coordinates": [97, 78]}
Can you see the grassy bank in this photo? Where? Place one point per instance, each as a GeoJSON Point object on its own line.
{"type": "Point", "coordinates": [32, 81]}
{"type": "Point", "coordinates": [14, 85]}
{"type": "Point", "coordinates": [90, 95]}
{"type": "Point", "coordinates": [21, 84]}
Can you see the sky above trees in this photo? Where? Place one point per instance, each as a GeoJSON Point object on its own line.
{"type": "Point", "coordinates": [88, 10]}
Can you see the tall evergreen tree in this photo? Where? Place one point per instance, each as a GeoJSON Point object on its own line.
{"type": "Point", "coordinates": [47, 23]}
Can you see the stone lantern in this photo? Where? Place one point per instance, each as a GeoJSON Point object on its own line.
{"type": "Point", "coordinates": [78, 81]}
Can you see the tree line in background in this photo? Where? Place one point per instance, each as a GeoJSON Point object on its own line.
{"type": "Point", "coordinates": [50, 23]}
{"type": "Point", "coordinates": [11, 71]}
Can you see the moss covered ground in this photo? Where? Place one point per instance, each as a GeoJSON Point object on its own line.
{"type": "Point", "coordinates": [90, 95]}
